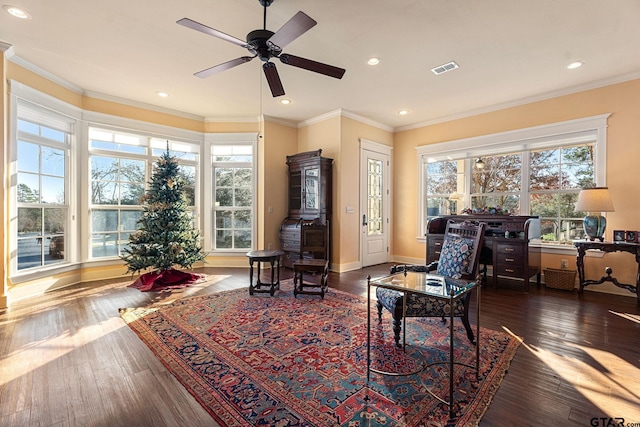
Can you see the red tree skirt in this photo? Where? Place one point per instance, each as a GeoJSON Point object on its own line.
{"type": "Point", "coordinates": [167, 279]}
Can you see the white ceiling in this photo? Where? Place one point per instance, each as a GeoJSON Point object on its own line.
{"type": "Point", "coordinates": [508, 51]}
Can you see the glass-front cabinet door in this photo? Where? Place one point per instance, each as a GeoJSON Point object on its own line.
{"type": "Point", "coordinates": [295, 191]}
{"type": "Point", "coordinates": [311, 189]}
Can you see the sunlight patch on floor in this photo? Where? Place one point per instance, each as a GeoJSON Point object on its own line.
{"type": "Point", "coordinates": [609, 382]}
{"type": "Point", "coordinates": [633, 317]}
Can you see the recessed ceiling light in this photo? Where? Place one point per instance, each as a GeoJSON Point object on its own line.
{"type": "Point", "coordinates": [403, 112]}
{"type": "Point", "coordinates": [373, 61]}
{"type": "Point", "coordinates": [17, 12]}
{"type": "Point", "coordinates": [576, 64]}
{"type": "Point", "coordinates": [162, 94]}
{"type": "Point", "coordinates": [285, 101]}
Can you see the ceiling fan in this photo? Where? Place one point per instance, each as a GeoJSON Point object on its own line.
{"type": "Point", "coordinates": [265, 45]}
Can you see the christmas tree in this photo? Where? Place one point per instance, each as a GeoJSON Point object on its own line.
{"type": "Point", "coordinates": [166, 236]}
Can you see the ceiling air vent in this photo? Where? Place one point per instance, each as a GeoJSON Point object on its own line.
{"type": "Point", "coordinates": [440, 69]}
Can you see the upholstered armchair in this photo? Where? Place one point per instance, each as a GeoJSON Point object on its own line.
{"type": "Point", "coordinates": [459, 259]}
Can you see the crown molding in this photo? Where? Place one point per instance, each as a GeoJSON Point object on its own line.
{"type": "Point", "coordinates": [279, 121]}
{"type": "Point", "coordinates": [344, 113]}
{"type": "Point", "coordinates": [367, 121]}
{"type": "Point", "coordinates": [231, 120]}
{"type": "Point", "coordinates": [46, 74]}
{"type": "Point", "coordinates": [143, 105]}
{"type": "Point", "coordinates": [596, 84]}
{"type": "Point", "coordinates": [7, 48]}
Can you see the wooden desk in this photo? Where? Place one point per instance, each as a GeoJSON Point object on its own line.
{"type": "Point", "coordinates": [510, 257]}
{"type": "Point", "coordinates": [585, 245]}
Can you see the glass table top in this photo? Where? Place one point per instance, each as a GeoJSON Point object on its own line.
{"type": "Point", "coordinates": [425, 283]}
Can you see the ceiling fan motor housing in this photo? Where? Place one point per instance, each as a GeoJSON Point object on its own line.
{"type": "Point", "coordinates": [257, 40]}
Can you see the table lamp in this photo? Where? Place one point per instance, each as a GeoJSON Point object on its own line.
{"type": "Point", "coordinates": [594, 201]}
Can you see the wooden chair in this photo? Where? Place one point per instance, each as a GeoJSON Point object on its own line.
{"type": "Point", "coordinates": [459, 259]}
{"type": "Point", "coordinates": [314, 260]}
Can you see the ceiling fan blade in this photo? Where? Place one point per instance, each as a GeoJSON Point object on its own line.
{"type": "Point", "coordinates": [224, 66]}
{"type": "Point", "coordinates": [291, 30]}
{"type": "Point", "coordinates": [316, 67]}
{"type": "Point", "coordinates": [271, 73]}
{"type": "Point", "coordinates": [189, 23]}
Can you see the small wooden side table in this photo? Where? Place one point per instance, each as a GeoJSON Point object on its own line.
{"type": "Point", "coordinates": [273, 258]}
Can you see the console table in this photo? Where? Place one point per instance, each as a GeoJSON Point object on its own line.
{"type": "Point", "coordinates": [585, 245]}
{"type": "Point", "coordinates": [443, 288]}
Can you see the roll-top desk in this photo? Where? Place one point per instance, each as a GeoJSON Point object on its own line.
{"type": "Point", "coordinates": [510, 256]}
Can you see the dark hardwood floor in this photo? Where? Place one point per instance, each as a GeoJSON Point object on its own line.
{"type": "Point", "coordinates": [67, 359]}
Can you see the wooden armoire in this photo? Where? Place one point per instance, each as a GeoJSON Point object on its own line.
{"type": "Point", "coordinates": [310, 200]}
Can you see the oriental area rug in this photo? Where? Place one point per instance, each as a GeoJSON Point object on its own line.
{"type": "Point", "coordinates": [285, 361]}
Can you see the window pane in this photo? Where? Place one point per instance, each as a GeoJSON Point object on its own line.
{"type": "Point", "coordinates": [53, 134]}
{"type": "Point", "coordinates": [32, 128]}
{"type": "Point", "coordinates": [129, 220]}
{"type": "Point", "coordinates": [29, 253]}
{"type": "Point", "coordinates": [497, 203]}
{"type": "Point", "coordinates": [224, 177]}
{"type": "Point", "coordinates": [132, 170]}
{"type": "Point", "coordinates": [53, 161]}
{"type": "Point", "coordinates": [188, 173]}
{"type": "Point", "coordinates": [28, 157]}
{"type": "Point", "coordinates": [104, 168]}
{"type": "Point", "coordinates": [53, 190]}
{"type": "Point", "coordinates": [243, 197]}
{"type": "Point", "coordinates": [29, 222]}
{"type": "Point", "coordinates": [104, 193]}
{"type": "Point", "coordinates": [54, 252]}
{"type": "Point", "coordinates": [224, 197]}
{"type": "Point", "coordinates": [131, 194]}
{"type": "Point", "coordinates": [103, 245]}
{"type": "Point", "coordinates": [242, 177]}
{"type": "Point", "coordinates": [242, 239]}
{"type": "Point", "coordinates": [28, 188]}
{"type": "Point", "coordinates": [501, 173]}
{"type": "Point", "coordinates": [242, 219]}
{"type": "Point", "coordinates": [223, 219]}
{"type": "Point", "coordinates": [55, 220]}
{"type": "Point", "coordinates": [224, 239]}
{"type": "Point", "coordinates": [104, 220]}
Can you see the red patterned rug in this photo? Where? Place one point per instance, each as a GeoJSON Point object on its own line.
{"type": "Point", "coordinates": [285, 361]}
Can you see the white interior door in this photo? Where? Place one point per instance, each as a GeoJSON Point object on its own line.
{"type": "Point", "coordinates": [374, 204]}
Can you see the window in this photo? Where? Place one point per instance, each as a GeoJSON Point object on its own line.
{"type": "Point", "coordinates": [120, 166]}
{"type": "Point", "coordinates": [536, 171]}
{"type": "Point", "coordinates": [43, 141]}
{"type": "Point", "coordinates": [556, 177]}
{"type": "Point", "coordinates": [498, 183]}
{"type": "Point", "coordinates": [233, 196]}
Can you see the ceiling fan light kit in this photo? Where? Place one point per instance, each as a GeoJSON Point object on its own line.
{"type": "Point", "coordinates": [265, 45]}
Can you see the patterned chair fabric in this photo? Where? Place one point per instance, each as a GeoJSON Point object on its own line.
{"type": "Point", "coordinates": [458, 259]}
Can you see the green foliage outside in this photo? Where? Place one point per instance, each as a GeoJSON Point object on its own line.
{"type": "Point", "coordinates": [166, 235]}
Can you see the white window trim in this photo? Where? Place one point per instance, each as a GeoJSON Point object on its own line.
{"type": "Point", "coordinates": [240, 138]}
{"type": "Point", "coordinates": [20, 91]}
{"type": "Point", "coordinates": [537, 137]}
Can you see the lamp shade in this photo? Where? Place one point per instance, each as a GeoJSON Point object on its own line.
{"type": "Point", "coordinates": [596, 199]}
